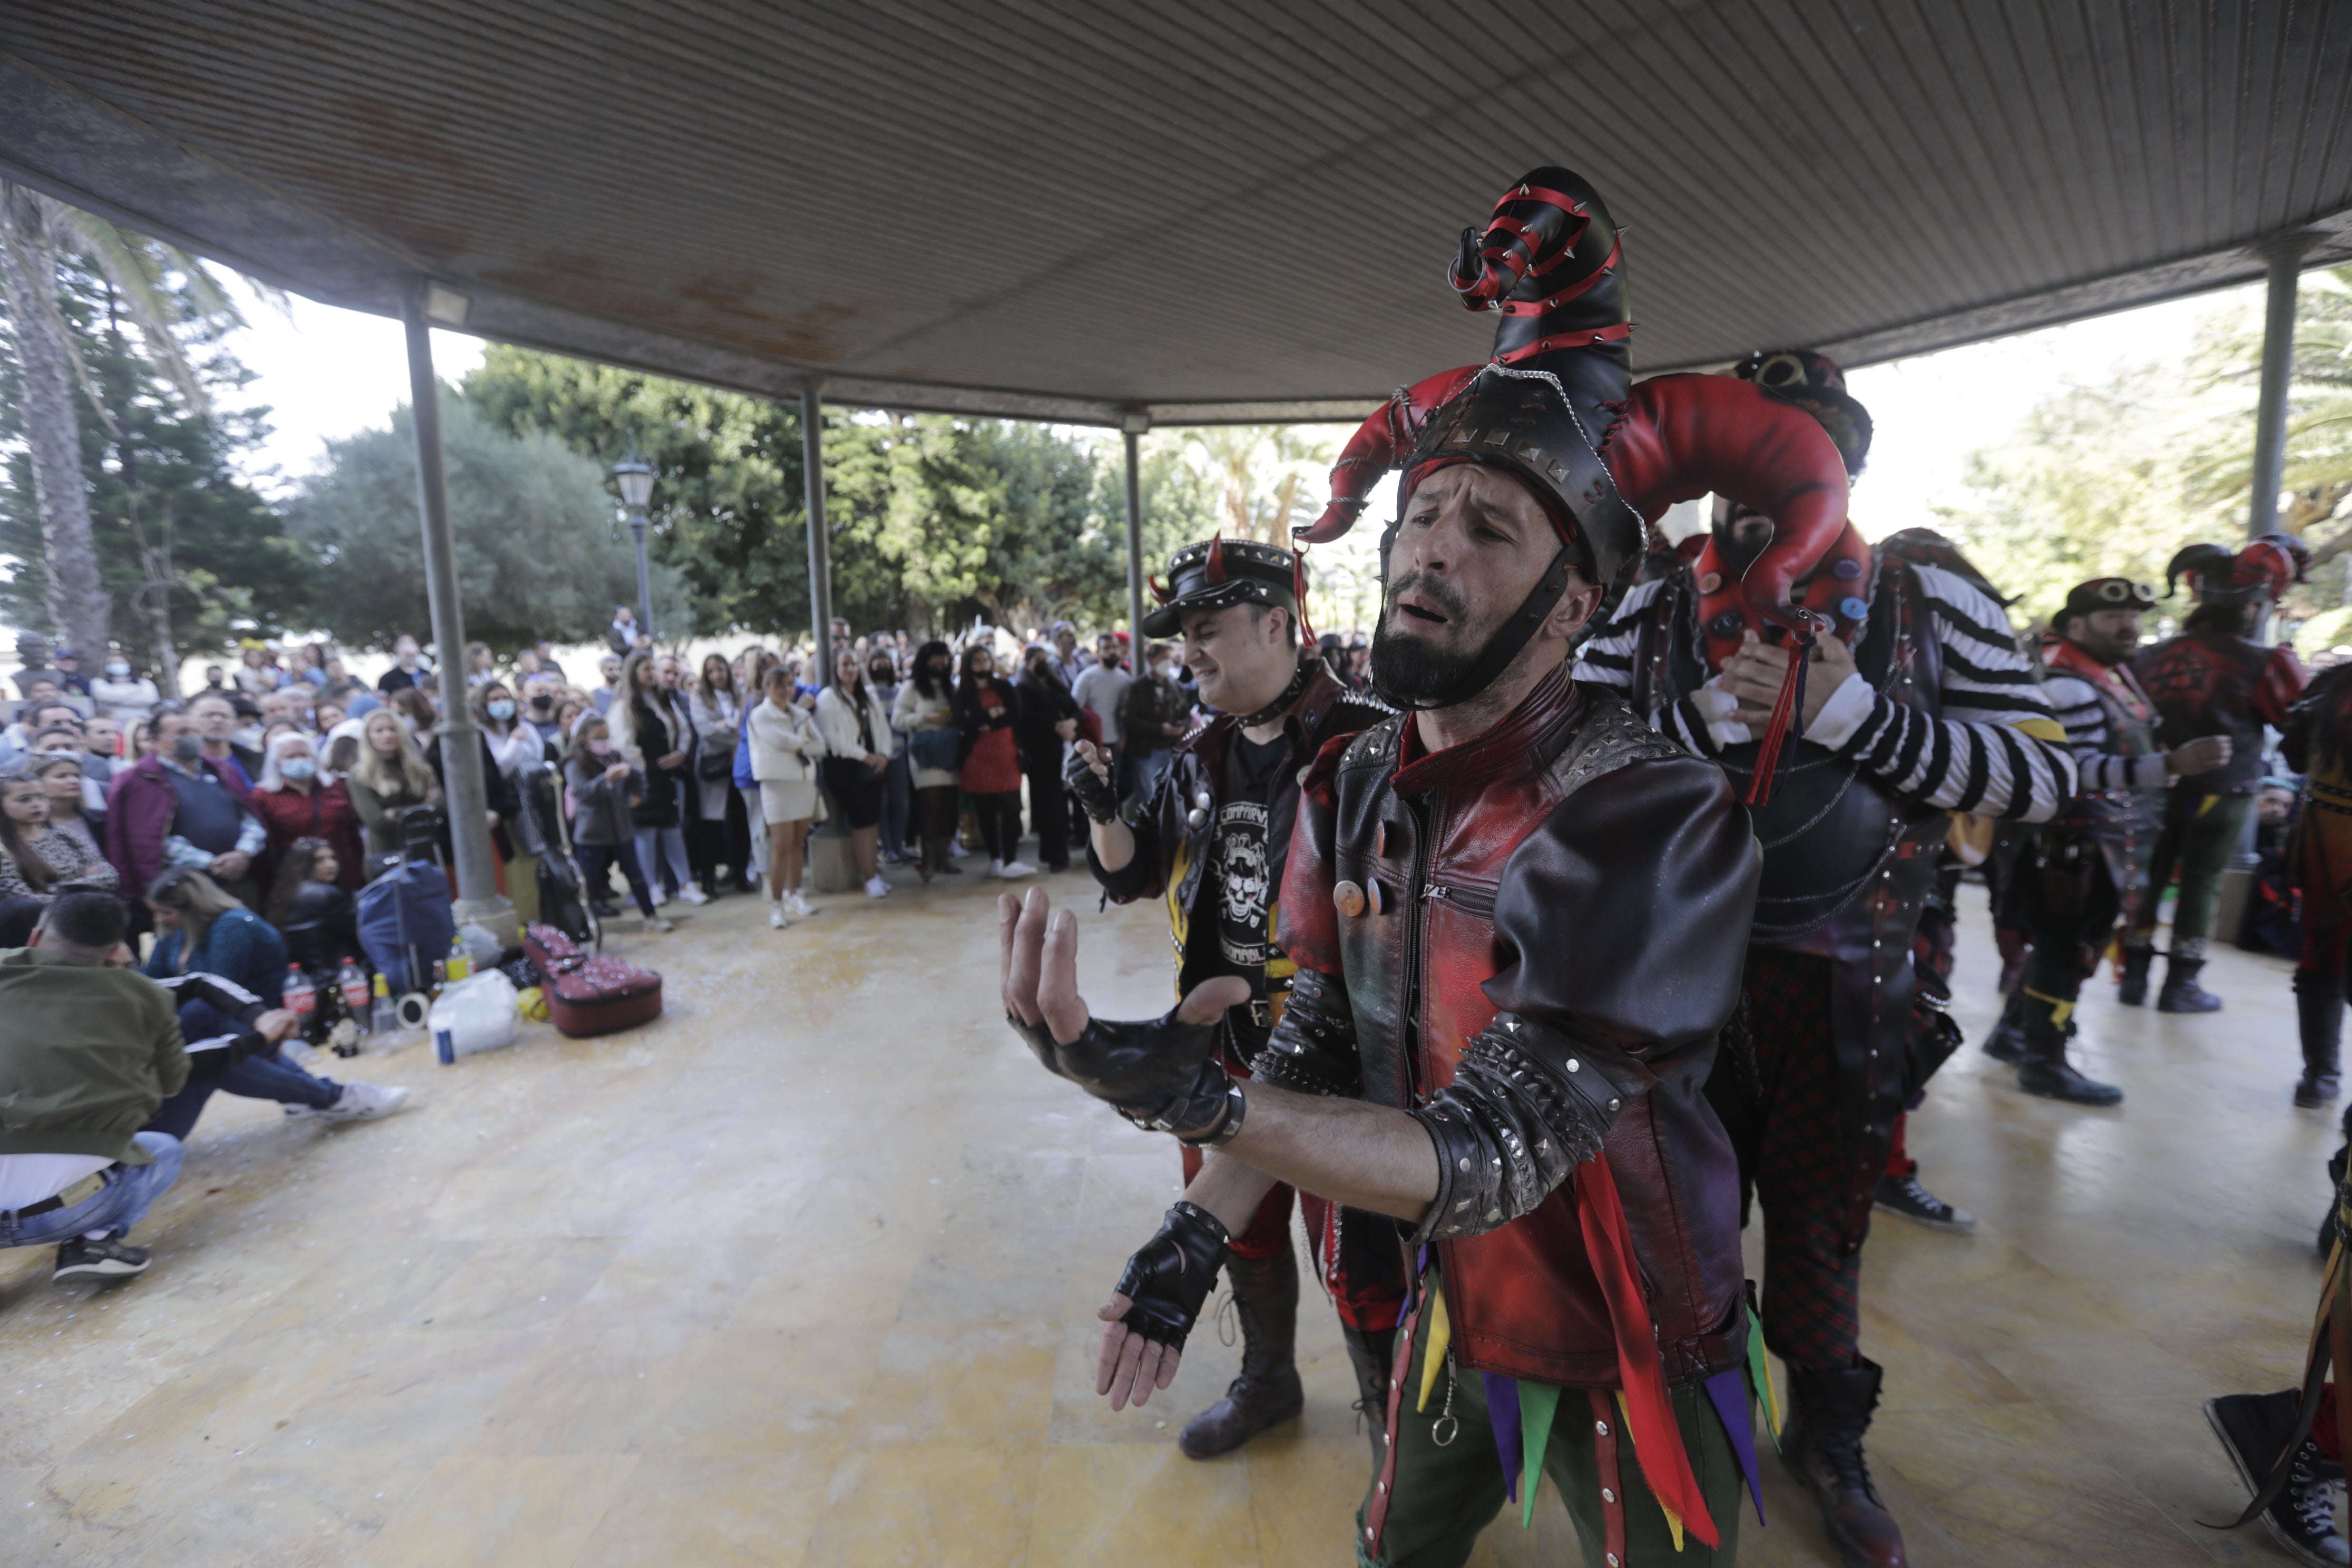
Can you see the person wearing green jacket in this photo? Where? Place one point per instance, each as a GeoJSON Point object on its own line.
{"type": "Point", "coordinates": [88, 1049]}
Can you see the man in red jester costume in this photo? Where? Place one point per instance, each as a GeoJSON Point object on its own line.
{"type": "Point", "coordinates": [1518, 915]}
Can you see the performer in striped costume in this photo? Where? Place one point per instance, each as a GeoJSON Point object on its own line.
{"type": "Point", "coordinates": [1916, 702]}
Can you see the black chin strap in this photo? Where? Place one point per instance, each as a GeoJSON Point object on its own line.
{"type": "Point", "coordinates": [1504, 645]}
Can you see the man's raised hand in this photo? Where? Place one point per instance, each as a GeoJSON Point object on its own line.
{"type": "Point", "coordinates": [1139, 1066]}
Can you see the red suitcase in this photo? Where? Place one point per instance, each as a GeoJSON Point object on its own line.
{"type": "Point", "coordinates": [588, 996]}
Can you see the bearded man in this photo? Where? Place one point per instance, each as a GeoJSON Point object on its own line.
{"type": "Point", "coordinates": [1517, 915]}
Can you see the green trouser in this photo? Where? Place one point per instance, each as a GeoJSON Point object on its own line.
{"type": "Point", "coordinates": [1445, 1496]}
{"type": "Point", "coordinates": [2200, 833]}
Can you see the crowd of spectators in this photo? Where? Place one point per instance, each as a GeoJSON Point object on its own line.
{"type": "Point", "coordinates": [169, 866]}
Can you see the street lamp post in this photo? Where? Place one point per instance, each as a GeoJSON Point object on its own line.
{"type": "Point", "coordinates": [636, 477]}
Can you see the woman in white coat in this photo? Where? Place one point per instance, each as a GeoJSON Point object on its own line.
{"type": "Point", "coordinates": [857, 742]}
{"type": "Point", "coordinates": [786, 747]}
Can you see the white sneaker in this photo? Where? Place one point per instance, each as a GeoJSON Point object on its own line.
{"type": "Point", "coordinates": [365, 1103]}
{"type": "Point", "coordinates": [690, 894]}
{"type": "Point", "coordinates": [659, 896]}
{"type": "Point", "coordinates": [656, 923]}
{"type": "Point", "coordinates": [776, 920]}
{"type": "Point", "coordinates": [1013, 868]}
{"type": "Point", "coordinates": [956, 851]}
{"type": "Point", "coordinates": [876, 888]}
{"type": "Point", "coordinates": [798, 905]}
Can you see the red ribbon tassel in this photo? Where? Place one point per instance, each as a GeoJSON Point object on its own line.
{"type": "Point", "coordinates": [1649, 1408]}
{"type": "Point", "coordinates": [1787, 724]}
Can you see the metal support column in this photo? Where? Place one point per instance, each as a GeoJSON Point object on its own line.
{"type": "Point", "coordinates": [461, 750]}
{"type": "Point", "coordinates": [820, 545]}
{"type": "Point", "coordinates": [2284, 253]}
{"type": "Point", "coordinates": [1137, 424]}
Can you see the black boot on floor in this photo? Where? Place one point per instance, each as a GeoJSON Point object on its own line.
{"type": "Point", "coordinates": [2133, 990]}
{"type": "Point", "coordinates": [2319, 1017]}
{"type": "Point", "coordinates": [1828, 1414]}
{"type": "Point", "coordinates": [2005, 1043]}
{"type": "Point", "coordinates": [2254, 1429]}
{"type": "Point", "coordinates": [1372, 1352]}
{"type": "Point", "coordinates": [1268, 1393]}
{"type": "Point", "coordinates": [2181, 994]}
{"type": "Point", "coordinates": [2045, 1070]}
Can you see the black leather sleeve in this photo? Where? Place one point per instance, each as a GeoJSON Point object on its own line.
{"type": "Point", "coordinates": [1622, 924]}
{"type": "Point", "coordinates": [1527, 1106]}
{"type": "Point", "coordinates": [1313, 1048]}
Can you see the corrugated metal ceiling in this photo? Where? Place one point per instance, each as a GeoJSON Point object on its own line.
{"type": "Point", "coordinates": [1213, 210]}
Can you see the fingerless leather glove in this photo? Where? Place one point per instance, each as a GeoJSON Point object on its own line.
{"type": "Point", "coordinates": [1170, 1275]}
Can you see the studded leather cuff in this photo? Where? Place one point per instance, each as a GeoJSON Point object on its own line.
{"type": "Point", "coordinates": [1313, 1048]}
{"type": "Point", "coordinates": [1527, 1106]}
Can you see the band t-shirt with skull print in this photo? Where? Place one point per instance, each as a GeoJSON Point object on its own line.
{"type": "Point", "coordinates": [1232, 923]}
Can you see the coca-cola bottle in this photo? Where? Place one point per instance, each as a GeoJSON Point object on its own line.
{"type": "Point", "coordinates": [353, 982]}
{"type": "Point", "coordinates": [301, 997]}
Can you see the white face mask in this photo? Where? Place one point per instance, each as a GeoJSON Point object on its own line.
{"type": "Point", "coordinates": [118, 669]}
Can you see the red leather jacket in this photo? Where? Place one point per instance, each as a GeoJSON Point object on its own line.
{"type": "Point", "coordinates": [1588, 881]}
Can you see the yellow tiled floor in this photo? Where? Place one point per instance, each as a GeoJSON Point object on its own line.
{"type": "Point", "coordinates": [805, 1273]}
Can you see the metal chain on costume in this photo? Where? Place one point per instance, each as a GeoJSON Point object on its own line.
{"type": "Point", "coordinates": [1447, 1426]}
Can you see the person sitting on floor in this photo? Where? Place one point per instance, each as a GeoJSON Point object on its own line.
{"type": "Point", "coordinates": [88, 1050]}
{"type": "Point", "coordinates": [202, 929]}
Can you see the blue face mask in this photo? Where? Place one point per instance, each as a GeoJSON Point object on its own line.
{"type": "Point", "coordinates": [298, 768]}
{"type": "Point", "coordinates": [502, 709]}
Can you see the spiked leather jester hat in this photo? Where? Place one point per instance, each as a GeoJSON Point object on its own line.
{"type": "Point", "coordinates": [2265, 569]}
{"type": "Point", "coordinates": [1553, 406]}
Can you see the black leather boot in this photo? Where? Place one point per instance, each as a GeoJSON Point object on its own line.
{"type": "Point", "coordinates": [2043, 1070]}
{"type": "Point", "coordinates": [2181, 994]}
{"type": "Point", "coordinates": [1828, 1412]}
{"type": "Point", "coordinates": [2133, 991]}
{"type": "Point", "coordinates": [1372, 1352]}
{"type": "Point", "coordinates": [2007, 1041]}
{"type": "Point", "coordinates": [1268, 1393]}
{"type": "Point", "coordinates": [2319, 1017]}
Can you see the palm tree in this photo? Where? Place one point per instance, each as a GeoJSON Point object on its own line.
{"type": "Point", "coordinates": [158, 285]}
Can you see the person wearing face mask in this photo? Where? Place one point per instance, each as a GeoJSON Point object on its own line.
{"type": "Point", "coordinates": [1048, 725]}
{"type": "Point", "coordinates": [607, 789]}
{"type": "Point", "coordinates": [121, 693]}
{"type": "Point", "coordinates": [294, 802]}
{"type": "Point", "coordinates": [897, 779]}
{"type": "Point", "coordinates": [985, 707]}
{"type": "Point", "coordinates": [176, 807]}
{"type": "Point", "coordinates": [925, 714]}
{"type": "Point", "coordinates": [1153, 714]}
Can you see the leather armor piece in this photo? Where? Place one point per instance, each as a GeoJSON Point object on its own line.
{"type": "Point", "coordinates": [1527, 1106]}
{"type": "Point", "coordinates": [1147, 1068]}
{"type": "Point", "coordinates": [1313, 1048]}
{"type": "Point", "coordinates": [1170, 1275]}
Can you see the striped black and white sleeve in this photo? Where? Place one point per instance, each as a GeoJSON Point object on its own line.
{"type": "Point", "coordinates": [1996, 749]}
{"type": "Point", "coordinates": [2085, 719]}
{"type": "Point", "coordinates": [1607, 659]}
